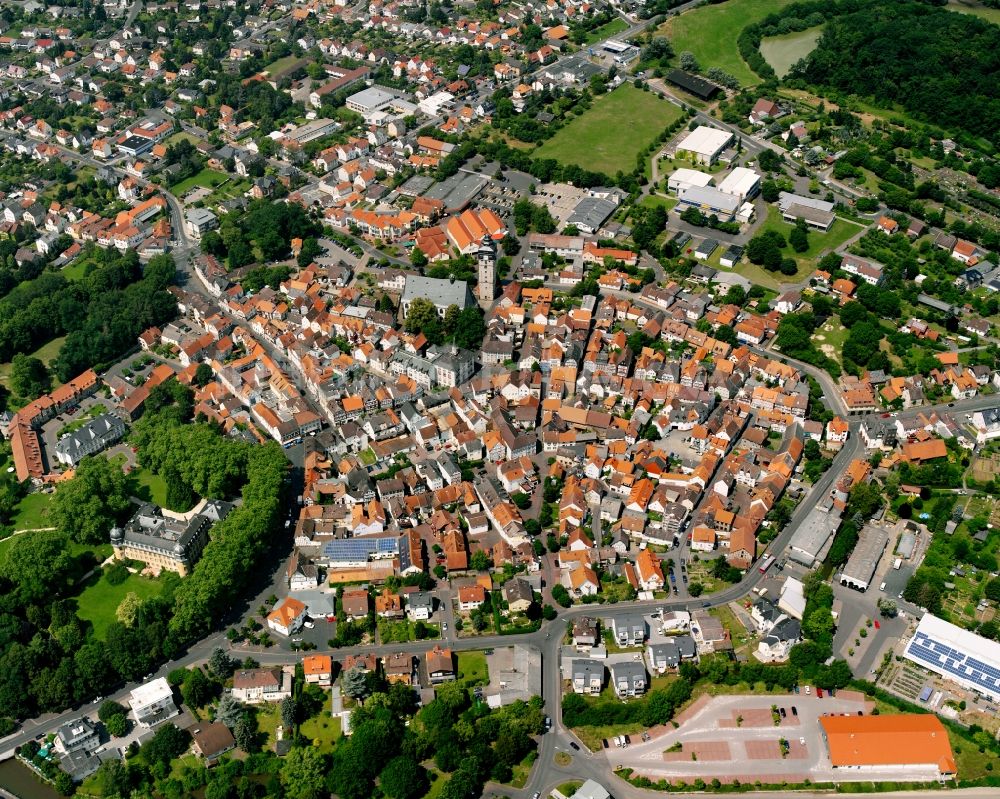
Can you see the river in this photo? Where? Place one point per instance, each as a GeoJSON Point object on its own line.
{"type": "Point", "coordinates": [22, 783]}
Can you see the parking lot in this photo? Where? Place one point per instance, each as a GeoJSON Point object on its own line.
{"type": "Point", "coordinates": [735, 738]}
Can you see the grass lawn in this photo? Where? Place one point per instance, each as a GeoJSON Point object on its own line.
{"type": "Point", "coordinates": [593, 737]}
{"type": "Point", "coordinates": [970, 761]}
{"type": "Point", "coordinates": [268, 719]}
{"type": "Point", "coordinates": [99, 600]}
{"type": "Point", "coordinates": [323, 730]}
{"type": "Point", "coordinates": [967, 7]}
{"type": "Point", "coordinates": [438, 781]}
{"type": "Point", "coordinates": [368, 456]}
{"type": "Point", "coordinates": [207, 178]}
{"type": "Point", "coordinates": [830, 339]}
{"type": "Point", "coordinates": [76, 270]}
{"type": "Point", "coordinates": [522, 770]}
{"type": "Point", "coordinates": [598, 140]}
{"type": "Point", "coordinates": [155, 485]}
{"type": "Point", "coordinates": [33, 511]}
{"type": "Point", "coordinates": [819, 243]}
{"type": "Point", "coordinates": [781, 52]}
{"type": "Point", "coordinates": [655, 200]}
{"type": "Point", "coordinates": [45, 353]}
{"type": "Point", "coordinates": [567, 789]}
{"type": "Point", "coordinates": [711, 31]}
{"type": "Point", "coordinates": [472, 668]}
{"type": "Point", "coordinates": [281, 63]}
{"type": "Point", "coordinates": [181, 136]}
{"type": "Point", "coordinates": [615, 26]}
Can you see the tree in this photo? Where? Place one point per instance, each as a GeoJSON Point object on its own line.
{"type": "Point", "coordinates": [403, 778]}
{"type": "Point", "coordinates": [480, 561]}
{"type": "Point", "coordinates": [37, 564]}
{"type": "Point", "coordinates": [451, 316]}
{"type": "Point", "coordinates": [168, 742]}
{"type": "Point", "coordinates": [422, 317]}
{"type": "Point", "coordinates": [688, 62]}
{"type": "Point", "coordinates": [417, 258]}
{"type": "Point", "coordinates": [29, 378]}
{"type": "Point", "coordinates": [203, 375]}
{"type": "Point", "coordinates": [109, 708]}
{"type": "Point", "coordinates": [288, 712]}
{"type": "Point", "coordinates": [245, 733]}
{"type": "Point", "coordinates": [303, 774]}
{"type": "Point", "coordinates": [95, 500]}
{"type": "Point", "coordinates": [887, 607]}
{"type": "Point", "coordinates": [561, 595]}
{"type": "Point", "coordinates": [198, 690]}
{"type": "Point", "coordinates": [799, 238]}
{"type": "Point", "coordinates": [229, 711]}
{"type": "Point", "coordinates": [117, 725]}
{"type": "Point", "coordinates": [470, 329]}
{"type": "Point", "coordinates": [696, 589]}
{"type": "Point", "coordinates": [355, 684]}
{"type": "Point", "coordinates": [220, 663]}
{"type": "Point", "coordinates": [128, 609]}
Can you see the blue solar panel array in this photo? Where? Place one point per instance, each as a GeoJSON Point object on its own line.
{"type": "Point", "coordinates": [358, 549]}
{"type": "Point", "coordinates": [950, 661]}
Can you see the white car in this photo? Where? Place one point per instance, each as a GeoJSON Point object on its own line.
{"type": "Point", "coordinates": [808, 690]}
{"type": "Point", "coordinates": [802, 741]}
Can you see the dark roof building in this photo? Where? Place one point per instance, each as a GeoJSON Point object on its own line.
{"type": "Point", "coordinates": [692, 84]}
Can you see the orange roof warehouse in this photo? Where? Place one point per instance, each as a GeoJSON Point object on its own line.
{"type": "Point", "coordinates": [867, 742]}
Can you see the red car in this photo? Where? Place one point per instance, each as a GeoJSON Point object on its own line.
{"type": "Point", "coordinates": [819, 693]}
{"type": "Point", "coordinates": [877, 625]}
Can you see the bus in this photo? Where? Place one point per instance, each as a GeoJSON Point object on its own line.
{"type": "Point", "coordinates": [766, 562]}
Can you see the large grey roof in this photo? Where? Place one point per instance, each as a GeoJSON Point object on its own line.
{"type": "Point", "coordinates": [437, 290]}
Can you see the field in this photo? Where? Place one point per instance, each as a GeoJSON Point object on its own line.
{"type": "Point", "coordinates": [99, 600]}
{"type": "Point", "coordinates": [781, 52]}
{"type": "Point", "coordinates": [45, 353]}
{"type": "Point", "coordinates": [601, 139]}
{"type": "Point", "coordinates": [711, 31]}
{"type": "Point", "coordinates": [616, 26]}
{"type": "Point", "coordinates": [207, 179]}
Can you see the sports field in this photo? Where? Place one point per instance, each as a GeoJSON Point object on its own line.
{"type": "Point", "coordinates": [609, 135]}
{"type": "Point", "coordinates": [781, 52]}
{"type": "Point", "coordinates": [711, 31]}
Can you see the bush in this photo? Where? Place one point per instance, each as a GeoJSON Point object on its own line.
{"type": "Point", "coordinates": [116, 573]}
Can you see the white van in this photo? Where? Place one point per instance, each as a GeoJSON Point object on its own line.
{"type": "Point", "coordinates": [881, 587]}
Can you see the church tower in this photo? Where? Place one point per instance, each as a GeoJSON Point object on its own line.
{"type": "Point", "coordinates": [486, 291]}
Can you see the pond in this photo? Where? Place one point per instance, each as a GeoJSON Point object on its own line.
{"type": "Point", "coordinates": [19, 780]}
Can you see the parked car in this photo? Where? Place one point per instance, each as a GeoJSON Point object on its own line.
{"type": "Point", "coordinates": [783, 712]}
{"type": "Point", "coordinates": [795, 710]}
{"type": "Point", "coordinates": [574, 745]}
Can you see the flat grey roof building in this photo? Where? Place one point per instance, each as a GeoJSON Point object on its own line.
{"type": "Point", "coordinates": [590, 213]}
{"type": "Point", "coordinates": [442, 292]}
{"type": "Point", "coordinates": [813, 535]}
{"type": "Point", "coordinates": [861, 566]}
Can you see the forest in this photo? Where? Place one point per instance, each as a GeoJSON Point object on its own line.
{"type": "Point", "coordinates": [940, 66]}
{"type": "Point", "coordinates": [101, 314]}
